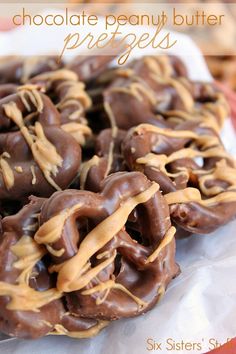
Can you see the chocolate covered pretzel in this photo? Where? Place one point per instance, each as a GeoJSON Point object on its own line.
{"type": "Point", "coordinates": [30, 304]}
{"type": "Point", "coordinates": [69, 95]}
{"type": "Point", "coordinates": [106, 271]}
{"type": "Point", "coordinates": [150, 89]}
{"type": "Point", "coordinates": [201, 193]}
{"type": "Point", "coordinates": [36, 155]}
{"type": "Point", "coordinates": [20, 69]}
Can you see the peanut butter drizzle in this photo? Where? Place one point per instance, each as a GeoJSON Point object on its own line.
{"type": "Point", "coordinates": [221, 172]}
{"type": "Point", "coordinates": [28, 253]}
{"type": "Point", "coordinates": [69, 276]}
{"type": "Point", "coordinates": [30, 92]}
{"type": "Point", "coordinates": [186, 195]}
{"type": "Point", "coordinates": [22, 296]}
{"type": "Point", "coordinates": [44, 152]}
{"type": "Point", "coordinates": [189, 195]}
{"type": "Point", "coordinates": [91, 332]}
{"type": "Point", "coordinates": [104, 254]}
{"type": "Point", "coordinates": [114, 132]}
{"type": "Point", "coordinates": [108, 285]}
{"type": "Point", "coordinates": [76, 114]}
{"type": "Point", "coordinates": [208, 119]}
{"type": "Point", "coordinates": [34, 180]}
{"type": "Point", "coordinates": [160, 161]}
{"type": "Point", "coordinates": [138, 91]}
{"type": "Point", "coordinates": [76, 91]}
{"type": "Point", "coordinates": [224, 197]}
{"type": "Point", "coordinates": [51, 230]}
{"type": "Point", "coordinates": [56, 253]}
{"type": "Point", "coordinates": [165, 241]}
{"type": "Point", "coordinates": [205, 141]}
{"type": "Point", "coordinates": [57, 75]}
{"type": "Point", "coordinates": [78, 131]}
{"type": "Point", "coordinates": [74, 96]}
{"type": "Point", "coordinates": [159, 65]}
{"type": "Point", "coordinates": [85, 168]}
{"type": "Point", "coordinates": [125, 72]}
{"type": "Point", "coordinates": [18, 169]}
{"type": "Point", "coordinates": [182, 91]}
{"type": "Point", "coordinates": [6, 171]}
{"type": "Point", "coordinates": [161, 292]}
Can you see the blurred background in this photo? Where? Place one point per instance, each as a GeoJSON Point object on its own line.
{"type": "Point", "coordinates": [222, 66]}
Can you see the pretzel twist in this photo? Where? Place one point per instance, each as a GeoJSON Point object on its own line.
{"type": "Point", "coordinates": [201, 194]}
{"type": "Point", "coordinates": [30, 305]}
{"type": "Point", "coordinates": [109, 273]}
{"type": "Point", "coordinates": [145, 92]}
{"type": "Point", "coordinates": [35, 153]}
{"type": "Point", "coordinates": [71, 100]}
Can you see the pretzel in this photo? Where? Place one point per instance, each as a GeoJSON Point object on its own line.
{"type": "Point", "coordinates": [166, 65]}
{"type": "Point", "coordinates": [144, 91]}
{"type": "Point", "coordinates": [20, 69]}
{"type": "Point", "coordinates": [107, 159]}
{"type": "Point", "coordinates": [36, 155]}
{"type": "Point", "coordinates": [30, 305]}
{"type": "Point", "coordinates": [68, 93]}
{"type": "Point", "coordinates": [105, 271]}
{"type": "Point", "coordinates": [201, 197]}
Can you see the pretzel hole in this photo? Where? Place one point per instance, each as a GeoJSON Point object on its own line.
{"type": "Point", "coordinates": [135, 234]}
{"type": "Point", "coordinates": [205, 99]}
{"type": "Point", "coordinates": [9, 207]}
{"type": "Point", "coordinates": [199, 161]}
{"type": "Point", "coordinates": [117, 265]}
{"type": "Point", "coordinates": [83, 227]}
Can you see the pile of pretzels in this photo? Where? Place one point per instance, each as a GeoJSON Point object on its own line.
{"type": "Point", "coordinates": [101, 169]}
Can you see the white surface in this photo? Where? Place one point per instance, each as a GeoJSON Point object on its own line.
{"type": "Point", "coordinates": [199, 305]}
